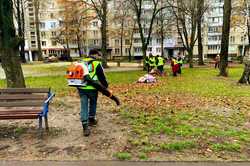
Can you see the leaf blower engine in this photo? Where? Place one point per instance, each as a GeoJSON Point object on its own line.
{"type": "Point", "coordinates": [78, 76]}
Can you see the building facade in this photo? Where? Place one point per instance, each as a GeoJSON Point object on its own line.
{"type": "Point", "coordinates": [128, 44]}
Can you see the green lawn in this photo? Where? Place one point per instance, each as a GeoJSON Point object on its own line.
{"type": "Point", "coordinates": [194, 116]}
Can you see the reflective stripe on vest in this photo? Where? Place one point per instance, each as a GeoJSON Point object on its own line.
{"type": "Point", "coordinates": [92, 71]}
{"type": "Point", "coordinates": [161, 61]}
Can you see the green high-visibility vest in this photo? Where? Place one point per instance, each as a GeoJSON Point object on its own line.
{"type": "Point", "coordinates": [92, 65]}
{"type": "Point", "coordinates": [152, 61]}
{"type": "Point", "coordinates": [179, 61]}
{"type": "Point", "coordinates": [161, 61]}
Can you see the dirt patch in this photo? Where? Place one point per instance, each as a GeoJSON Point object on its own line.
{"type": "Point", "coordinates": [65, 140]}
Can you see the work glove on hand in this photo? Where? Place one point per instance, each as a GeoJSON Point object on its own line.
{"type": "Point", "coordinates": [117, 101]}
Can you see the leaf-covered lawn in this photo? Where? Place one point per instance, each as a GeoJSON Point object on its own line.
{"type": "Point", "coordinates": [196, 116]}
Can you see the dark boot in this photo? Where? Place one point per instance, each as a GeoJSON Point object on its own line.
{"type": "Point", "coordinates": [92, 122]}
{"type": "Point", "coordinates": [86, 130]}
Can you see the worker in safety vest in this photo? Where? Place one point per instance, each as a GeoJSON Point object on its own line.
{"type": "Point", "coordinates": [147, 63]}
{"type": "Point", "coordinates": [89, 94]}
{"type": "Point", "coordinates": [160, 64]}
{"type": "Point", "coordinates": [179, 61]}
{"type": "Point", "coordinates": [175, 66]}
{"type": "Point", "coordinates": [152, 62]}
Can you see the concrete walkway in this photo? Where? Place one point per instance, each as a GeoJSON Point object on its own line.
{"type": "Point", "coordinates": [117, 163]}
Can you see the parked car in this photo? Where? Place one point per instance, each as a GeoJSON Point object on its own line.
{"type": "Point", "coordinates": [65, 57]}
{"type": "Point", "coordinates": [51, 58]}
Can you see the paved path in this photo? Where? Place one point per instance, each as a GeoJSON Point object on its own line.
{"type": "Point", "coordinates": [118, 163]}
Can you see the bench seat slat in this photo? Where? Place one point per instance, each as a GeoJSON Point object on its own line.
{"type": "Point", "coordinates": [22, 103]}
{"type": "Point", "coordinates": [19, 113]}
{"type": "Point", "coordinates": [25, 90]}
{"type": "Point", "coordinates": [22, 116]}
{"type": "Point", "coordinates": [22, 97]}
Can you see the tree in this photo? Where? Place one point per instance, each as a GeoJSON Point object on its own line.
{"type": "Point", "coordinates": [201, 7]}
{"type": "Point", "coordinates": [186, 14]}
{"type": "Point", "coordinates": [75, 18]}
{"type": "Point", "coordinates": [225, 38]}
{"type": "Point", "coordinates": [145, 19]}
{"type": "Point", "coordinates": [19, 15]}
{"type": "Point", "coordinates": [101, 10]}
{"type": "Point", "coordinates": [164, 26]}
{"type": "Point", "coordinates": [246, 73]}
{"type": "Point", "coordinates": [123, 24]}
{"type": "Point", "coordinates": [9, 46]}
{"type": "Point", "coordinates": [37, 6]}
{"type": "Point", "coordinates": [244, 10]}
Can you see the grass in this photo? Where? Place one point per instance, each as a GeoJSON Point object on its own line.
{"type": "Point", "coordinates": [123, 156]}
{"type": "Point", "coordinates": [213, 117]}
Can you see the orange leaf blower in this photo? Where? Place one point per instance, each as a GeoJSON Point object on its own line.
{"type": "Point", "coordinates": [78, 76]}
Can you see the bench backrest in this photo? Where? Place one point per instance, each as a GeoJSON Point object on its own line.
{"type": "Point", "coordinates": [23, 97]}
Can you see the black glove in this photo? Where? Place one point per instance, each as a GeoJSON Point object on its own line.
{"type": "Point", "coordinates": [117, 101]}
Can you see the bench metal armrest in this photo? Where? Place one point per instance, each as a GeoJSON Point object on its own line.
{"type": "Point", "coordinates": [46, 104]}
{"type": "Point", "coordinates": [49, 98]}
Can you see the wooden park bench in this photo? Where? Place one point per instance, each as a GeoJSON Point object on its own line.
{"type": "Point", "coordinates": [26, 103]}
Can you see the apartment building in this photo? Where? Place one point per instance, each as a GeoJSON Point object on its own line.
{"type": "Point", "coordinates": [212, 30]}
{"type": "Point", "coordinates": [172, 43]}
{"type": "Point", "coordinates": [51, 21]}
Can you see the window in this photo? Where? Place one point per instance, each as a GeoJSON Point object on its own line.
{"type": "Point", "coordinates": [127, 42]}
{"type": "Point", "coordinates": [137, 49]}
{"type": "Point", "coordinates": [43, 43]}
{"type": "Point", "coordinates": [53, 43]}
{"type": "Point", "coordinates": [158, 41]}
{"type": "Point", "coordinates": [43, 34]}
{"type": "Point", "coordinates": [53, 33]}
{"type": "Point", "coordinates": [96, 41]}
{"type": "Point", "coordinates": [158, 50]}
{"type": "Point", "coordinates": [117, 42]}
{"type": "Point", "coordinates": [137, 40]}
{"type": "Point", "coordinates": [53, 25]}
{"type": "Point", "coordinates": [51, 15]}
{"type": "Point", "coordinates": [117, 51]}
{"type": "Point", "coordinates": [126, 50]}
{"type": "Point", "coordinates": [95, 24]}
{"type": "Point", "coordinates": [42, 25]}
{"type": "Point", "coordinates": [232, 39]}
{"type": "Point", "coordinates": [95, 33]}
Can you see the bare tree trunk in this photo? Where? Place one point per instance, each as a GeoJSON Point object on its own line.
{"type": "Point", "coordinates": [22, 53]}
{"type": "Point", "coordinates": [225, 38]}
{"type": "Point", "coordinates": [190, 58]}
{"type": "Point", "coordinates": [200, 45]}
{"type": "Point", "coordinates": [37, 22]}
{"type": "Point", "coordinates": [121, 38]}
{"type": "Point", "coordinates": [104, 35]}
{"type": "Point", "coordinates": [20, 22]}
{"type": "Point", "coordinates": [245, 76]}
{"type": "Point", "coordinates": [9, 44]}
{"type": "Point", "coordinates": [131, 43]}
{"type": "Point", "coordinates": [162, 36]}
{"type": "Point", "coordinates": [79, 45]}
{"type": "Point", "coordinates": [67, 45]}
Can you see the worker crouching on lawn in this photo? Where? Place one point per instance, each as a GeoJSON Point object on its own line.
{"type": "Point", "coordinates": [89, 94]}
{"type": "Point", "coordinates": [175, 66]}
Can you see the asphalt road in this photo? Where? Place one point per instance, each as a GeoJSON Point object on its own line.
{"type": "Point", "coordinates": [118, 163]}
